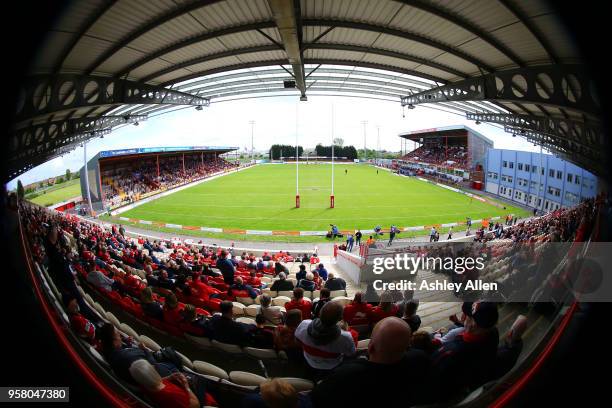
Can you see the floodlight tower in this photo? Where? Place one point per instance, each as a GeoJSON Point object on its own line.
{"type": "Point", "coordinates": [252, 123]}
{"type": "Point", "coordinates": [365, 151]}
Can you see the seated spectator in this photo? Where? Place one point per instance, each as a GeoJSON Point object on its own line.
{"type": "Point", "coordinates": [197, 322]}
{"type": "Point", "coordinates": [307, 284]}
{"type": "Point", "coordinates": [240, 286]}
{"type": "Point", "coordinates": [282, 284]}
{"type": "Point", "coordinates": [324, 343]}
{"type": "Point", "coordinates": [170, 391]}
{"type": "Point", "coordinates": [279, 267]}
{"type": "Point", "coordinates": [120, 355]}
{"type": "Point", "coordinates": [301, 273]}
{"type": "Point", "coordinates": [172, 314]}
{"type": "Point", "coordinates": [149, 306]}
{"type": "Point", "coordinates": [165, 281]}
{"type": "Point", "coordinates": [385, 308]}
{"type": "Point", "coordinates": [318, 304]}
{"type": "Point", "coordinates": [389, 368]}
{"type": "Point", "coordinates": [406, 297]}
{"type": "Point", "coordinates": [270, 314]}
{"type": "Point", "coordinates": [223, 328]}
{"type": "Point", "coordinates": [371, 296]}
{"type": "Point", "coordinates": [261, 336]}
{"type": "Point", "coordinates": [322, 271]}
{"type": "Point", "coordinates": [511, 347]}
{"type": "Point", "coordinates": [284, 336]}
{"type": "Point", "coordinates": [467, 360]}
{"type": "Point", "coordinates": [317, 280]}
{"type": "Point", "coordinates": [276, 393]}
{"type": "Point", "coordinates": [356, 313]}
{"type": "Point", "coordinates": [410, 316]}
{"type": "Point", "coordinates": [421, 340]}
{"type": "Point", "coordinates": [99, 280]}
{"type": "Point", "coordinates": [334, 283]}
{"type": "Point", "coordinates": [83, 327]}
{"type": "Point", "coordinates": [298, 302]}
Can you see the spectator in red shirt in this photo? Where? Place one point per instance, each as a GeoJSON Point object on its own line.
{"type": "Point", "coordinates": [171, 391]}
{"type": "Point", "coordinates": [298, 302]}
{"type": "Point", "coordinates": [356, 313]}
{"type": "Point", "coordinates": [83, 327]}
{"type": "Point", "coordinates": [385, 308]}
{"type": "Point", "coordinates": [172, 313]}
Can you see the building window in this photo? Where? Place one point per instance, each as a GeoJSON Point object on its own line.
{"type": "Point", "coordinates": [527, 168]}
{"type": "Point", "coordinates": [511, 165]}
{"type": "Point", "coordinates": [577, 179]}
{"type": "Point", "coordinates": [509, 179]}
{"type": "Point", "coordinates": [551, 173]}
{"type": "Point", "coordinates": [534, 169]}
{"type": "Point", "coordinates": [569, 177]}
{"type": "Point", "coordinates": [559, 174]}
{"type": "Point", "coordinates": [505, 164]}
{"type": "Point", "coordinates": [520, 166]}
{"type": "Point", "coordinates": [571, 197]}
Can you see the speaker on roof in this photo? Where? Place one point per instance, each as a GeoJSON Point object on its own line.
{"type": "Point", "coordinates": [289, 84]}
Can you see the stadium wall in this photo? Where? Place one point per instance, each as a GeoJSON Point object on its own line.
{"type": "Point", "coordinates": [540, 181]}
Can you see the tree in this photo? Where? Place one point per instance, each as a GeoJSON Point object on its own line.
{"type": "Point", "coordinates": [59, 180]}
{"type": "Point", "coordinates": [67, 174]}
{"type": "Point", "coordinates": [278, 151]}
{"type": "Point", "coordinates": [338, 141]}
{"type": "Point", "coordinates": [20, 192]}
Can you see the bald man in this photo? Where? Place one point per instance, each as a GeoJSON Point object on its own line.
{"type": "Point", "coordinates": [391, 375]}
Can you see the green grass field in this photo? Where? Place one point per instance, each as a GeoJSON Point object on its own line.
{"type": "Point", "coordinates": [263, 198]}
{"type": "Point", "coordinates": [65, 191]}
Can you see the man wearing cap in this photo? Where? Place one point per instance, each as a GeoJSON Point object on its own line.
{"type": "Point", "coordinates": [468, 359]}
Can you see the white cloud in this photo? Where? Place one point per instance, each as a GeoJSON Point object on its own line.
{"type": "Point", "coordinates": [227, 123]}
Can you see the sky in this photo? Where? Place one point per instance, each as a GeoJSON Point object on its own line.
{"type": "Point", "coordinates": [227, 124]}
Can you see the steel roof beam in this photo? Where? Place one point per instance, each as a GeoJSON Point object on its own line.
{"type": "Point", "coordinates": [287, 15]}
{"type": "Point", "coordinates": [501, 86]}
{"type": "Point", "coordinates": [48, 94]}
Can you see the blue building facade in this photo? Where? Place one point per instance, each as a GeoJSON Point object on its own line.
{"type": "Point", "coordinates": [540, 181]}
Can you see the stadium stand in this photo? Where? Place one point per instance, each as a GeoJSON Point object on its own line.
{"type": "Point", "coordinates": [134, 179]}
{"type": "Point", "coordinates": [174, 292]}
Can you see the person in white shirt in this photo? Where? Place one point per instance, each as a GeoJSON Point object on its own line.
{"type": "Point", "coordinates": [325, 344]}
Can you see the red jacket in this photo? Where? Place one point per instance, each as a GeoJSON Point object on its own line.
{"type": "Point", "coordinates": [357, 313]}
{"type": "Point", "coordinates": [303, 305]}
{"type": "Point", "coordinates": [378, 313]}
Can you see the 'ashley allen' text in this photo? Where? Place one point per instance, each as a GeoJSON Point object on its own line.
{"type": "Point", "coordinates": [435, 285]}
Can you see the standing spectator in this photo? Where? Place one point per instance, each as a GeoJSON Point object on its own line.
{"type": "Point", "coordinates": [432, 234]}
{"type": "Point", "coordinates": [358, 236]}
{"type": "Point", "coordinates": [226, 267]}
{"type": "Point", "coordinates": [450, 235]}
{"type": "Point", "coordinates": [392, 233]}
{"type": "Point", "coordinates": [349, 242]}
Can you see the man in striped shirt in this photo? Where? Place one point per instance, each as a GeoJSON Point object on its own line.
{"type": "Point", "coordinates": [324, 343]}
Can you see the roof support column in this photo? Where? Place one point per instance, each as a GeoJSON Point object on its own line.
{"type": "Point", "coordinates": [286, 18]}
